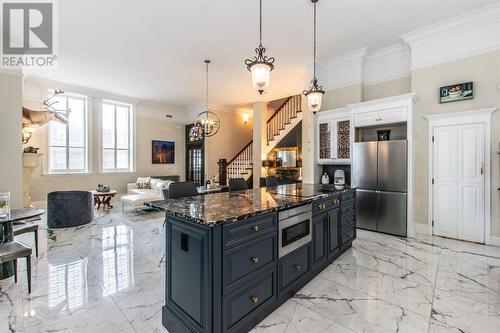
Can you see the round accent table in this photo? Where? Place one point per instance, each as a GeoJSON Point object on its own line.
{"type": "Point", "coordinates": [103, 198]}
{"type": "Point", "coordinates": [6, 233]}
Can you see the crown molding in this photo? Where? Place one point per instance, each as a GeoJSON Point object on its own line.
{"type": "Point", "coordinates": [460, 37]}
{"type": "Point", "coordinates": [457, 25]}
{"type": "Point", "coordinates": [390, 63]}
{"type": "Point", "coordinates": [350, 58]}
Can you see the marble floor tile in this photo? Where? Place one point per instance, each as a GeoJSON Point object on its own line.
{"type": "Point", "coordinates": [107, 276]}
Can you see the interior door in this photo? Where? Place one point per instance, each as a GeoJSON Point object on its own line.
{"type": "Point", "coordinates": [471, 182]}
{"type": "Point", "coordinates": [458, 190]}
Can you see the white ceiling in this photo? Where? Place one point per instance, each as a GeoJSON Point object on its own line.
{"type": "Point", "coordinates": [154, 50]}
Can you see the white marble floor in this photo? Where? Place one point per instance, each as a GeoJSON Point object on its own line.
{"type": "Point", "coordinates": [108, 277]}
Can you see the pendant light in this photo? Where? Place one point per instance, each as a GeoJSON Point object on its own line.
{"type": "Point", "coordinates": [315, 93]}
{"type": "Point", "coordinates": [260, 66]}
{"type": "Point", "coordinates": [207, 120]}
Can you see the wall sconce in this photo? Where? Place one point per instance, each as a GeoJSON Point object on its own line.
{"type": "Point", "coordinates": [245, 118]}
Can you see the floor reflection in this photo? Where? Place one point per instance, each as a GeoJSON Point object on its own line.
{"type": "Point", "coordinates": [117, 258]}
{"type": "Point", "coordinates": [68, 284]}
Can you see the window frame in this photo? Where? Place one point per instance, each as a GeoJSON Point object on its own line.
{"type": "Point", "coordinates": [86, 148]}
{"type": "Point", "coordinates": [131, 136]}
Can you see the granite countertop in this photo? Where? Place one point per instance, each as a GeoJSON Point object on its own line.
{"type": "Point", "coordinates": [222, 208]}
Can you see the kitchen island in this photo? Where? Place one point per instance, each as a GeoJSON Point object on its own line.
{"type": "Point", "coordinates": [233, 258]}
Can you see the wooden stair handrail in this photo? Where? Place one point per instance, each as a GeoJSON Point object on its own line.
{"type": "Point", "coordinates": [279, 109]}
{"type": "Point", "coordinates": [241, 151]}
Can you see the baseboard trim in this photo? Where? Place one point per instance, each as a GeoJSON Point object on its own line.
{"type": "Point", "coordinates": [495, 241]}
{"type": "Point", "coordinates": [421, 228]}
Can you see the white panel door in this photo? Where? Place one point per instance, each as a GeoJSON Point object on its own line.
{"type": "Point", "coordinates": [471, 182]}
{"type": "Point", "coordinates": [458, 192]}
{"type": "Point", "coordinates": [445, 173]}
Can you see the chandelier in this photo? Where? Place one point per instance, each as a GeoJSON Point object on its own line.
{"type": "Point", "coordinates": [315, 93]}
{"type": "Point", "coordinates": [207, 120]}
{"type": "Point", "coordinates": [261, 65]}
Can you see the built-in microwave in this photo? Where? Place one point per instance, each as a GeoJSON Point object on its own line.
{"type": "Point", "coordinates": [294, 228]}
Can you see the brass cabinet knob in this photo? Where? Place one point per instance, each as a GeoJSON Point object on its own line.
{"type": "Point", "coordinates": [255, 259]}
{"type": "Point", "coordinates": [296, 267]}
{"type": "Point", "coordinates": [254, 299]}
{"type": "Point", "coordinates": [255, 227]}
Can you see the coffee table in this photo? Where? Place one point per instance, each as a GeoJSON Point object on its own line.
{"type": "Point", "coordinates": [6, 233]}
{"type": "Point", "coordinates": [103, 198]}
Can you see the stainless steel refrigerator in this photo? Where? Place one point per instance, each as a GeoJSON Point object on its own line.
{"type": "Point", "coordinates": [380, 173]}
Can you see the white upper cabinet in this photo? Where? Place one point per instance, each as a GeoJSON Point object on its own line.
{"type": "Point", "coordinates": [334, 134]}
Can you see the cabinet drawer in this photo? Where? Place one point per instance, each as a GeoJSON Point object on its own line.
{"type": "Point", "coordinates": [348, 208]}
{"type": "Point", "coordinates": [322, 205]}
{"type": "Point", "coordinates": [241, 232]}
{"type": "Point", "coordinates": [348, 234]}
{"type": "Point", "coordinates": [345, 220]}
{"type": "Point", "coordinates": [248, 298]}
{"type": "Point", "coordinates": [347, 196]}
{"type": "Point", "coordinates": [248, 257]}
{"type": "Point", "coordinates": [395, 115]}
{"type": "Point", "coordinates": [293, 266]}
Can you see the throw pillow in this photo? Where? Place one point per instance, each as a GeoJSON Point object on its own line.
{"type": "Point", "coordinates": [143, 183]}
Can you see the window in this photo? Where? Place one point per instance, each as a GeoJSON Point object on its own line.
{"type": "Point", "coordinates": [68, 142]}
{"type": "Point", "coordinates": [116, 136]}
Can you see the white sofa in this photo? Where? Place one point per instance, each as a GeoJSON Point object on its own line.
{"type": "Point", "coordinates": [137, 196]}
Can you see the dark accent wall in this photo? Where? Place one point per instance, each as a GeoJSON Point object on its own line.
{"type": "Point", "coordinates": [293, 138]}
{"type": "Point", "coordinates": [330, 170]}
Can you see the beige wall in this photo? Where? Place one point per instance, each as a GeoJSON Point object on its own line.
{"type": "Point", "coordinates": [340, 97]}
{"type": "Point", "coordinates": [233, 135]}
{"type": "Point", "coordinates": [11, 172]}
{"type": "Point", "coordinates": [484, 71]}
{"type": "Point", "coordinates": [146, 130]}
{"type": "Point", "coordinates": [387, 88]}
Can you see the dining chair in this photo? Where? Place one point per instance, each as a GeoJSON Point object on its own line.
{"type": "Point", "coordinates": [237, 184]}
{"type": "Point", "coordinates": [13, 250]}
{"type": "Point", "coordinates": [23, 228]}
{"type": "Point", "coordinates": [182, 189]}
{"type": "Point", "coordinates": [271, 181]}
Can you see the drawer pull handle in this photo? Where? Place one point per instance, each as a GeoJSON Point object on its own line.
{"type": "Point", "coordinates": [254, 299]}
{"type": "Point", "coordinates": [296, 267]}
{"type": "Point", "coordinates": [255, 227]}
{"type": "Point", "coordinates": [321, 206]}
{"type": "Point", "coordinates": [255, 259]}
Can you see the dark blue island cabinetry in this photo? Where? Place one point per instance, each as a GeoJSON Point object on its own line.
{"type": "Point", "coordinates": [225, 267]}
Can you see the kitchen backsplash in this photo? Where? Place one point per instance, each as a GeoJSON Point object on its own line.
{"type": "Point", "coordinates": [330, 170]}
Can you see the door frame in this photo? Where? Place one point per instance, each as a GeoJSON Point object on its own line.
{"type": "Point", "coordinates": [480, 116]}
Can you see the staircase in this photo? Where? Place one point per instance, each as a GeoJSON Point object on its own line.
{"type": "Point", "coordinates": [288, 115]}
{"type": "Point", "coordinates": [240, 166]}
{"type": "Point", "coordinates": [284, 120]}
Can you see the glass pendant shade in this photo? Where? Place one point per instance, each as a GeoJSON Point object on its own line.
{"type": "Point", "coordinates": [261, 74]}
{"type": "Point", "coordinates": [314, 100]}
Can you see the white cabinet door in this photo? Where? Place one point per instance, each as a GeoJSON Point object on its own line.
{"type": "Point", "coordinates": [324, 140]}
{"type": "Point", "coordinates": [458, 192]}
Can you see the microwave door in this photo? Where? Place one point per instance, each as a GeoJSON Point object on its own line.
{"type": "Point", "coordinates": [365, 165]}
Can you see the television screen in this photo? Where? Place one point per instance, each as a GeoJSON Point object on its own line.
{"type": "Point", "coordinates": [163, 152]}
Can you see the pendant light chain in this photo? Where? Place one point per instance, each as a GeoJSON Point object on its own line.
{"type": "Point", "coordinates": [207, 62]}
{"type": "Point", "coordinates": [260, 24]}
{"type": "Point", "coordinates": [314, 43]}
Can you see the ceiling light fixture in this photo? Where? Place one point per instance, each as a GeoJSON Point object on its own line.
{"type": "Point", "coordinates": [207, 120]}
{"type": "Point", "coordinates": [260, 66]}
{"type": "Point", "coordinates": [315, 93]}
